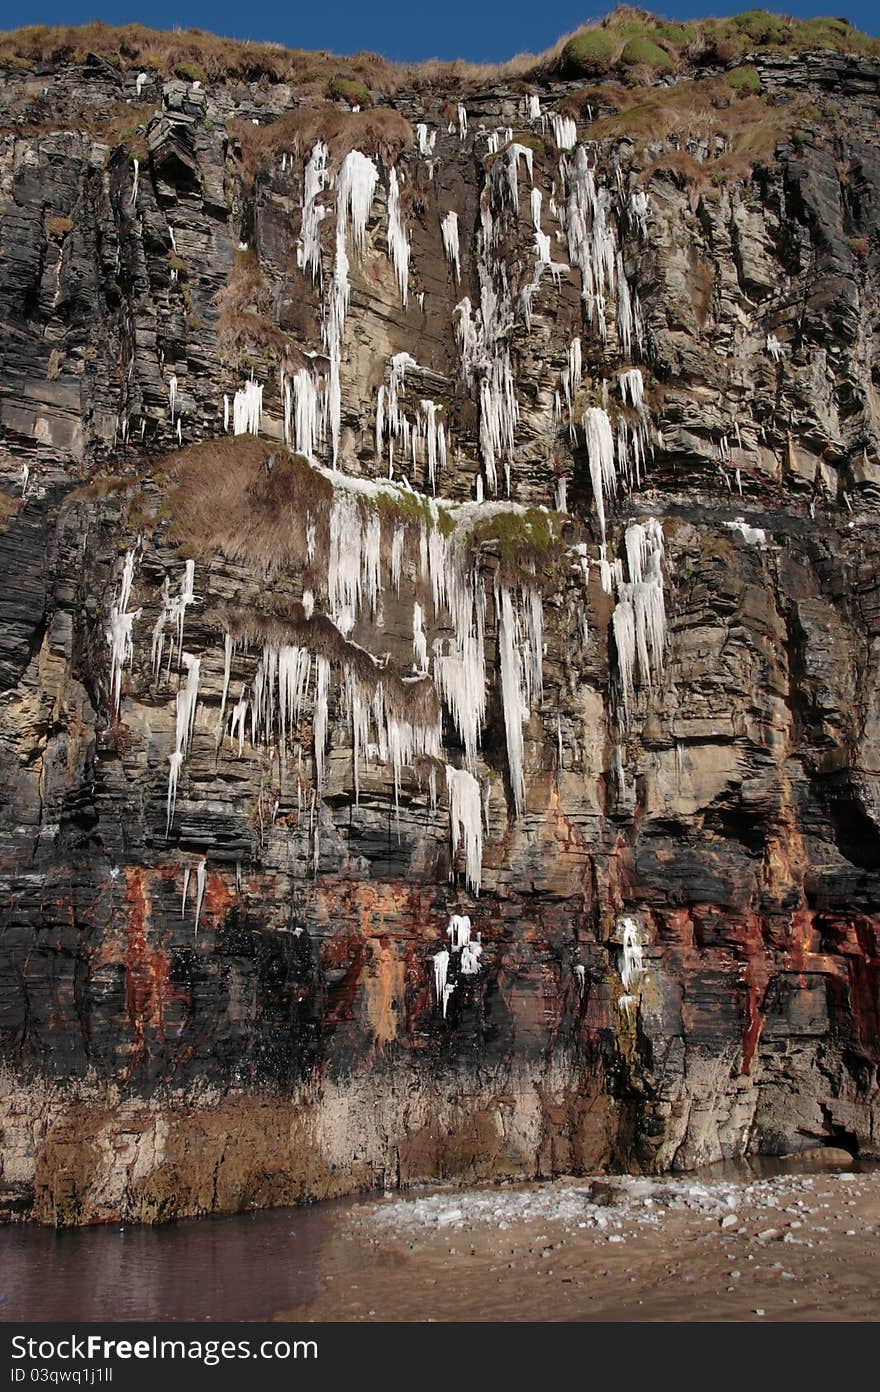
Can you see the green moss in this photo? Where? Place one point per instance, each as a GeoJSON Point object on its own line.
{"type": "Point", "coordinates": [594, 48]}
{"type": "Point", "coordinates": [761, 26]}
{"type": "Point", "coordinates": [350, 90]}
{"type": "Point", "coordinates": [743, 80]}
{"type": "Point", "coordinates": [676, 34]}
{"type": "Point", "coordinates": [525, 541]}
{"type": "Point", "coordinates": [645, 52]}
{"type": "Point", "coordinates": [177, 263]}
{"type": "Point", "coordinates": [191, 72]}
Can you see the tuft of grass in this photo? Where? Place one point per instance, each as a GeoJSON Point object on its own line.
{"type": "Point", "coordinates": [743, 80]}
{"type": "Point", "coordinates": [592, 50]}
{"type": "Point", "coordinates": [349, 89]}
{"type": "Point", "coordinates": [648, 54]}
{"type": "Point", "coordinates": [191, 72]}
{"type": "Point", "coordinates": [59, 227]}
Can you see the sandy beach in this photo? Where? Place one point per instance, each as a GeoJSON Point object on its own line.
{"type": "Point", "coordinates": [798, 1246]}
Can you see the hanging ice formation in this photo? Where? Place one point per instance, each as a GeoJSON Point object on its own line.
{"type": "Point", "coordinates": [173, 612]}
{"type": "Point", "coordinates": [355, 186]}
{"type": "Point", "coordinates": [308, 252]}
{"type": "Point", "coordinates": [632, 966]}
{"type": "Point", "coordinates": [586, 215]}
{"type": "Point", "coordinates": [443, 988]}
{"type": "Point", "coordinates": [119, 631]}
{"type": "Point", "coordinates": [465, 823]}
{"type": "Point", "coordinates": [774, 347]}
{"type": "Point", "coordinates": [398, 242]}
{"type": "Point", "coordinates": [449, 232]}
{"type": "Point", "coordinates": [187, 699]}
{"type": "Point", "coordinates": [753, 536]}
{"type": "Point", "coordinates": [639, 616]}
{"type": "Point", "coordinates": [462, 120]}
{"type": "Point", "coordinates": [520, 649]}
{"type": "Point", "coordinates": [247, 409]}
{"type": "Point", "coordinates": [201, 877]}
{"type": "Point", "coordinates": [304, 410]}
{"type": "Point", "coordinates": [564, 131]}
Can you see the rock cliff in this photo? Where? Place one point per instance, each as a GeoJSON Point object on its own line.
{"type": "Point", "coordinates": [440, 628]}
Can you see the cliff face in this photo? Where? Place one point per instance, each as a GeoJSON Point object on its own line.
{"type": "Point", "coordinates": [601, 756]}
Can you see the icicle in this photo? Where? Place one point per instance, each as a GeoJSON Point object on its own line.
{"type": "Point", "coordinates": [774, 347]}
{"type": "Point", "coordinates": [580, 973]}
{"type": "Point", "coordinates": [465, 823]}
{"type": "Point", "coordinates": [228, 650]}
{"type": "Point", "coordinates": [420, 642]}
{"type": "Point", "coordinates": [564, 131]}
{"type": "Point", "coordinates": [172, 394]}
{"type": "Point", "coordinates": [308, 424]}
{"type": "Point", "coordinates": [201, 876]}
{"type": "Point", "coordinates": [632, 386]}
{"type": "Point", "coordinates": [513, 682]}
{"type": "Point", "coordinates": [426, 140]}
{"type": "Point", "coordinates": [462, 121]}
{"type": "Point", "coordinates": [560, 500]}
{"type": "Point", "coordinates": [449, 232]}
{"type": "Point", "coordinates": [134, 184]}
{"type": "Point", "coordinates": [533, 106]}
{"type": "Point", "coordinates": [247, 409]}
{"type": "Point", "coordinates": [308, 252]}
{"type": "Point", "coordinates": [632, 967]}
{"type": "Point", "coordinates": [600, 449]}
{"type": "Point", "coordinates": [186, 876]}
{"type": "Point", "coordinates": [398, 242]}
{"type": "Point", "coordinates": [187, 699]}
{"type": "Point", "coordinates": [119, 632]}
{"type": "Point", "coordinates": [140, 82]}
{"type": "Point", "coordinates": [441, 968]}
{"type": "Point", "coordinates": [499, 414]}
{"type": "Point", "coordinates": [322, 687]}
{"type": "Point", "coordinates": [355, 186]}
{"type": "Point", "coordinates": [225, 415]}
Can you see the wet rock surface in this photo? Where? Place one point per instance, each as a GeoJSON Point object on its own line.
{"type": "Point", "coordinates": [232, 1000]}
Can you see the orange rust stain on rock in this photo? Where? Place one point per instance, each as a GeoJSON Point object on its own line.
{"type": "Point", "coordinates": [148, 986]}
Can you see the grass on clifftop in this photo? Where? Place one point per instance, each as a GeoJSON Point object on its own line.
{"type": "Point", "coordinates": [631, 44]}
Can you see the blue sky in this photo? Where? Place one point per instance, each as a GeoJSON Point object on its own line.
{"type": "Point", "coordinates": [482, 30]}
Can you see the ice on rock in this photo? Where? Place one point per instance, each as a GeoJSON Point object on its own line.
{"type": "Point", "coordinates": [774, 347]}
{"type": "Point", "coordinates": [465, 823]}
{"type": "Point", "coordinates": [499, 414]}
{"type": "Point", "coordinates": [753, 536]}
{"type": "Point", "coordinates": [632, 387]}
{"type": "Point", "coordinates": [398, 242]}
{"type": "Point", "coordinates": [305, 407]}
{"type": "Point", "coordinates": [173, 612]}
{"type": "Point", "coordinates": [201, 878]}
{"type": "Point", "coordinates": [639, 617]}
{"type": "Point", "coordinates": [513, 692]}
{"type": "Point", "coordinates": [420, 642]}
{"type": "Point", "coordinates": [141, 82]}
{"type": "Point", "coordinates": [462, 120]}
{"type": "Point", "coordinates": [308, 252]}
{"type": "Point", "coordinates": [459, 931]}
{"type": "Point", "coordinates": [355, 187]}
{"type": "Point", "coordinates": [564, 131]}
{"type": "Point", "coordinates": [602, 459]}
{"type": "Point", "coordinates": [119, 631]}
{"type": "Point", "coordinates": [449, 233]}
{"type": "Point", "coordinates": [632, 964]}
{"type": "Point", "coordinates": [426, 140]}
{"type": "Point", "coordinates": [247, 409]}
{"type": "Point", "coordinates": [172, 394]}
{"type": "Point", "coordinates": [441, 968]}
{"type": "Point", "coordinates": [187, 699]}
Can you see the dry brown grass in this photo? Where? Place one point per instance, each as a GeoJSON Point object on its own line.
{"type": "Point", "coordinates": [749, 124]}
{"type": "Point", "coordinates": [380, 131]}
{"type": "Point", "coordinates": [192, 53]}
{"type": "Point", "coordinates": [244, 497]}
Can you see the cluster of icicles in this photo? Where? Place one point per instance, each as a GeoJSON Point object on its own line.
{"type": "Point", "coordinates": [464, 951]}
{"type": "Point", "coordinates": [632, 965]}
{"type": "Point", "coordinates": [587, 213]}
{"type": "Point", "coordinates": [639, 617]}
{"type": "Point", "coordinates": [292, 684]}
